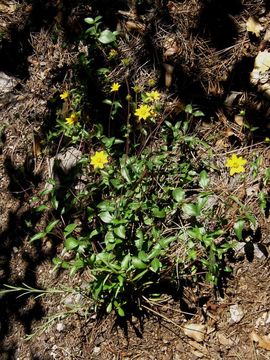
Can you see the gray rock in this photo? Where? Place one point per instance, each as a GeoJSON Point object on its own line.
{"type": "Point", "coordinates": [96, 350]}
{"type": "Point", "coordinates": [69, 159]}
{"type": "Point", "coordinates": [237, 314]}
{"type": "Point", "coordinates": [7, 83]}
{"type": "Point", "coordinates": [60, 327]}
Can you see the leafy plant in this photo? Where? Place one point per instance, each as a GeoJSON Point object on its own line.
{"type": "Point", "coordinates": [103, 36]}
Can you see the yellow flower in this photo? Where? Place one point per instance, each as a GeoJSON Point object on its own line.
{"type": "Point", "coordinates": [151, 82]}
{"type": "Point", "coordinates": [112, 54]}
{"type": "Point", "coordinates": [152, 96]}
{"type": "Point", "coordinates": [72, 119]}
{"type": "Point", "coordinates": [144, 112]}
{"type": "Point", "coordinates": [99, 160]}
{"type": "Point", "coordinates": [115, 87]}
{"type": "Point", "coordinates": [236, 164]}
{"type": "Point", "coordinates": [64, 95]}
{"type": "Point", "coordinates": [137, 89]}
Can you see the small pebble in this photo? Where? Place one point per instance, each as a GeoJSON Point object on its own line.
{"type": "Point", "coordinates": [60, 327]}
{"type": "Point", "coordinates": [237, 314]}
{"type": "Point", "coordinates": [96, 350]}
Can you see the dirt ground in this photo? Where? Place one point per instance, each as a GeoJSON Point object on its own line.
{"type": "Point", "coordinates": [235, 319]}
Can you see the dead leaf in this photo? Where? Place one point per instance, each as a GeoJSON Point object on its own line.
{"type": "Point", "coordinates": [263, 341]}
{"type": "Point", "coordinates": [36, 145]}
{"type": "Point", "coordinates": [223, 340]}
{"type": "Point", "coordinates": [168, 74]}
{"type": "Point", "coordinates": [265, 88]}
{"type": "Point", "coordinates": [267, 35]}
{"type": "Point", "coordinates": [8, 7]}
{"type": "Point", "coordinates": [254, 26]}
{"type": "Point", "coordinates": [198, 354]}
{"type": "Point", "coordinates": [239, 119]}
{"type": "Point", "coordinates": [132, 25]}
{"type": "Point", "coordinates": [195, 331]}
{"type": "Point", "coordinates": [170, 52]}
{"type": "Point", "coordinates": [197, 346]}
{"type": "Point", "coordinates": [262, 61]}
{"type": "Point", "coordinates": [229, 132]}
{"type": "Point", "coordinates": [221, 144]}
{"type": "Point", "coordinates": [170, 46]}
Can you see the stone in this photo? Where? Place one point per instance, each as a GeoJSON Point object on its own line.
{"type": "Point", "coordinates": [7, 83]}
{"type": "Point", "coordinates": [60, 327]}
{"type": "Point", "coordinates": [237, 314]}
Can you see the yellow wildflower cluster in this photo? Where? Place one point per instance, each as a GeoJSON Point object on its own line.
{"type": "Point", "coordinates": [115, 87]}
{"type": "Point", "coordinates": [152, 96]}
{"type": "Point", "coordinates": [236, 164]}
{"type": "Point", "coordinates": [151, 82]}
{"type": "Point", "coordinates": [112, 54]}
{"type": "Point", "coordinates": [99, 159]}
{"type": "Point", "coordinates": [72, 119]}
{"type": "Point", "coordinates": [143, 112]}
{"type": "Point", "coordinates": [64, 95]}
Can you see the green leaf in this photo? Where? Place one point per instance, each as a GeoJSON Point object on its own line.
{"type": "Point", "coordinates": [196, 232]}
{"type": "Point", "coordinates": [78, 264]}
{"type": "Point", "coordinates": [89, 20]}
{"type": "Point", "coordinates": [198, 113]}
{"type": "Point", "coordinates": [90, 213]}
{"type": "Point", "coordinates": [106, 37]}
{"type": "Point", "coordinates": [65, 265]}
{"type": "Point", "coordinates": [110, 246]}
{"type": "Point", "coordinates": [125, 173]}
{"type": "Point", "coordinates": [158, 213]}
{"type": "Point", "coordinates": [37, 236]}
{"type": "Point", "coordinates": [69, 229]}
{"type": "Point", "coordinates": [106, 205]}
{"type": "Point", "coordinates": [190, 210]}
{"type": "Point", "coordinates": [138, 264]}
{"type": "Point", "coordinates": [125, 262]}
{"type": "Point", "coordinates": [109, 237]}
{"type": "Point", "coordinates": [164, 242]}
{"type": "Point", "coordinates": [140, 275]}
{"type": "Point", "coordinates": [140, 239]}
{"type": "Point", "coordinates": [109, 308]}
{"type": "Point", "coordinates": [54, 202]}
{"type": "Point", "coordinates": [188, 109]}
{"type": "Point", "coordinates": [57, 261]}
{"type": "Point", "coordinates": [262, 199]}
{"type": "Point", "coordinates": [120, 231]}
{"type": "Point", "coordinates": [93, 233]}
{"type": "Point", "coordinates": [147, 221]}
{"type": "Point", "coordinates": [51, 226]}
{"type": "Point", "coordinates": [238, 228]}
{"type": "Point", "coordinates": [71, 243]}
{"type": "Point", "coordinates": [204, 179]}
{"type": "Point", "coordinates": [107, 102]}
{"type": "Point", "coordinates": [155, 265]}
{"type": "Point", "coordinates": [119, 222]}
{"type": "Point", "coordinates": [201, 201]}
{"type": "Point", "coordinates": [142, 255]}
{"type": "Point", "coordinates": [120, 312]}
{"type": "Point", "coordinates": [97, 18]}
{"type": "Point", "coordinates": [42, 208]}
{"type": "Point", "coordinates": [155, 252]}
{"type": "Point", "coordinates": [178, 194]}
{"type": "Point", "coordinates": [250, 217]}
{"type": "Point", "coordinates": [106, 217]}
